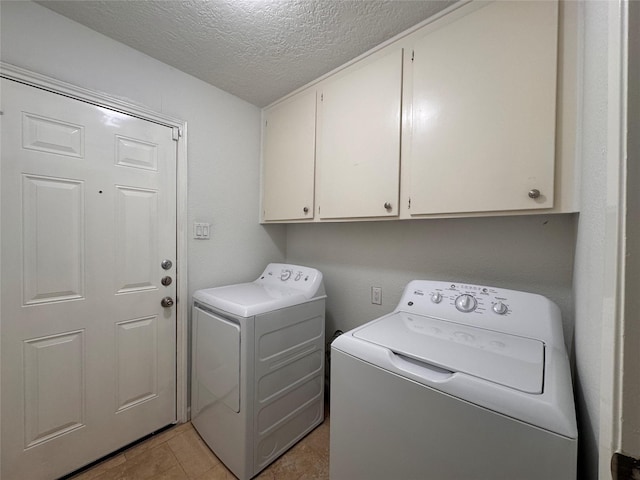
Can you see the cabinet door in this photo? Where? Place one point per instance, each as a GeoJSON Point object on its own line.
{"type": "Point", "coordinates": [359, 141]}
{"type": "Point", "coordinates": [289, 159]}
{"type": "Point", "coordinates": [483, 116]}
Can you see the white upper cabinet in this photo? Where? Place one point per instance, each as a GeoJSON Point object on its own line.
{"type": "Point", "coordinates": [289, 159]}
{"type": "Point", "coordinates": [483, 111]}
{"type": "Point", "coordinates": [358, 164]}
{"type": "Point", "coordinates": [473, 113]}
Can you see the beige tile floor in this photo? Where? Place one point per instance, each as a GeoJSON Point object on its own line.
{"type": "Point", "coordinates": [180, 454]}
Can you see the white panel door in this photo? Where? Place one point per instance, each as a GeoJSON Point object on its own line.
{"type": "Point", "coordinates": [484, 98]}
{"type": "Point", "coordinates": [359, 141]}
{"type": "Point", "coordinates": [289, 154]}
{"type": "Point", "coordinates": [88, 215]}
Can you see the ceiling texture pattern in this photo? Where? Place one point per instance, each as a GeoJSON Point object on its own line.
{"type": "Point", "coordinates": [258, 50]}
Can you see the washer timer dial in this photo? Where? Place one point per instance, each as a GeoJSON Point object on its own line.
{"type": "Point", "coordinates": [466, 303]}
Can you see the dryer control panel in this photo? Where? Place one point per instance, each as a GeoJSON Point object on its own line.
{"type": "Point", "coordinates": [510, 311]}
{"type": "Point", "coordinates": [305, 279]}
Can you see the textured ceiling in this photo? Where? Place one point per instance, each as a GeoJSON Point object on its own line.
{"type": "Point", "coordinates": [258, 50]}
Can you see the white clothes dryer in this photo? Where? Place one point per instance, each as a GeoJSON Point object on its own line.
{"type": "Point", "coordinates": [458, 382]}
{"type": "Point", "coordinates": [258, 365]}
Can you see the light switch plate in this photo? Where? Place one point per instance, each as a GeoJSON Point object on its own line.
{"type": "Point", "coordinates": [201, 231]}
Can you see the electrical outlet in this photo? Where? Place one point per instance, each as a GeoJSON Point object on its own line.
{"type": "Point", "coordinates": [376, 295]}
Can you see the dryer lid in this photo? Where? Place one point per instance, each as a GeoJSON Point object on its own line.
{"type": "Point", "coordinates": [279, 286]}
{"type": "Point", "coordinates": [508, 360]}
{"type": "Point", "coordinates": [249, 299]}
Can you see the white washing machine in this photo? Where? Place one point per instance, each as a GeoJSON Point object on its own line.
{"type": "Point", "coordinates": [459, 382]}
{"type": "Point", "coordinates": [258, 365]}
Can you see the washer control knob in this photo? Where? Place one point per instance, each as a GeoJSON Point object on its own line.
{"type": "Point", "coordinates": [466, 303]}
{"type": "Point", "coordinates": [436, 297]}
{"type": "Point", "coordinates": [500, 308]}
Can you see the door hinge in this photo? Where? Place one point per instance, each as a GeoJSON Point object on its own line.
{"type": "Point", "coordinates": [322, 97]}
{"type": "Point", "coordinates": [413, 54]}
{"type": "Point", "coordinates": [409, 203]}
{"type": "Point", "coordinates": [176, 133]}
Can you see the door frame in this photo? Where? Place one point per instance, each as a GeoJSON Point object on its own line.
{"type": "Point", "coordinates": [27, 77]}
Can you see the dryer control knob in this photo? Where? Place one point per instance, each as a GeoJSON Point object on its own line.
{"type": "Point", "coordinates": [436, 297]}
{"type": "Point", "coordinates": [285, 275]}
{"type": "Point", "coordinates": [500, 308]}
{"type": "Point", "coordinates": [466, 303]}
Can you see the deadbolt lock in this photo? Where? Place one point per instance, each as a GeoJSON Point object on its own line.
{"type": "Point", "coordinates": [166, 281]}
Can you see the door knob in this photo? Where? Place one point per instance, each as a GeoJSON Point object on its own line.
{"type": "Point", "coordinates": [166, 264]}
{"type": "Point", "coordinates": [167, 302]}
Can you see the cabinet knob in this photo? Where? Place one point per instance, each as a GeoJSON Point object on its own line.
{"type": "Point", "coordinates": [387, 205]}
{"type": "Point", "coordinates": [305, 209]}
{"type": "Point", "coordinates": [534, 193]}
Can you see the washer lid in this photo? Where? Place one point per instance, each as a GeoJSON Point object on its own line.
{"type": "Point", "coordinates": [249, 299]}
{"type": "Point", "coordinates": [512, 361]}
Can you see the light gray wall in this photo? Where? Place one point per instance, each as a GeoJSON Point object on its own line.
{"type": "Point", "coordinates": [589, 273]}
{"type": "Point", "coordinates": [223, 133]}
{"type": "Point", "coordinates": [530, 253]}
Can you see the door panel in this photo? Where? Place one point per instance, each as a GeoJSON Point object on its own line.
{"type": "Point", "coordinates": [136, 241]}
{"type": "Point", "coordinates": [52, 135]}
{"type": "Point", "coordinates": [137, 363]}
{"type": "Point", "coordinates": [88, 214]}
{"type": "Point", "coordinates": [54, 386]}
{"type": "Point", "coordinates": [136, 154]}
{"type": "Point", "coordinates": [53, 225]}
